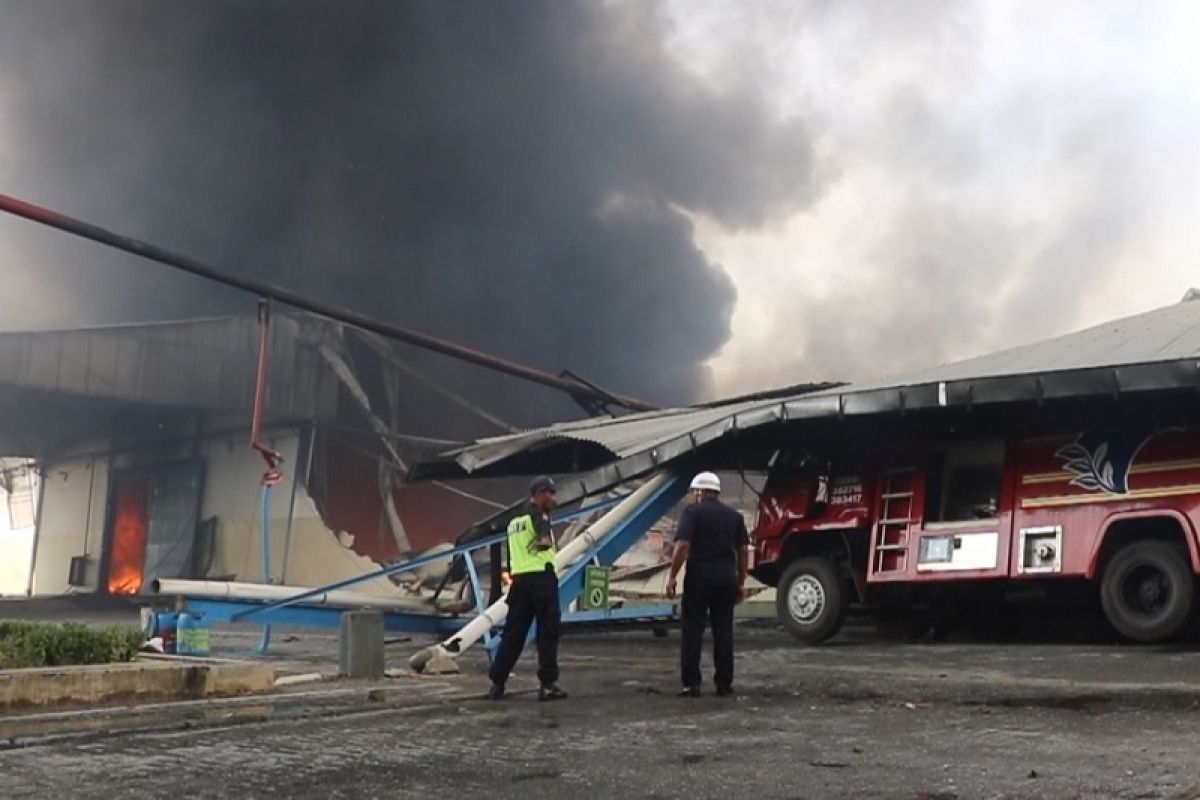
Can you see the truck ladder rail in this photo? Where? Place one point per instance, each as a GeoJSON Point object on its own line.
{"type": "Point", "coordinates": [895, 520]}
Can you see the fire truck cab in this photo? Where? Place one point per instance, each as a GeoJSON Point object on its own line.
{"type": "Point", "coordinates": [936, 521]}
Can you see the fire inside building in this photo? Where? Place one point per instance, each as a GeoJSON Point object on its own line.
{"type": "Point", "coordinates": [131, 442]}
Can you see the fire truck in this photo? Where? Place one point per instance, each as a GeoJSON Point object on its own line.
{"type": "Point", "coordinates": [1113, 510]}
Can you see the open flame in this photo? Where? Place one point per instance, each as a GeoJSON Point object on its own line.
{"type": "Point", "coordinates": [128, 555]}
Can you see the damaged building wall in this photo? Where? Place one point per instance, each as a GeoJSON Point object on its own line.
{"type": "Point", "coordinates": [349, 488]}
{"type": "Point", "coordinates": [82, 515]}
{"type": "Point", "coordinates": [315, 554]}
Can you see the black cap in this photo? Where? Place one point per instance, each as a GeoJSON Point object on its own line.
{"type": "Point", "coordinates": [542, 483]}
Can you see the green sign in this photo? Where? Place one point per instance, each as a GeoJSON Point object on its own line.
{"type": "Point", "coordinates": [595, 588]}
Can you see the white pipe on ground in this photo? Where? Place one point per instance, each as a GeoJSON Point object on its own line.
{"type": "Point", "coordinates": [228, 590]}
{"type": "Point", "coordinates": [576, 549]}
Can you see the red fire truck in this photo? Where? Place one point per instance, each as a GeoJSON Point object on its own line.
{"type": "Point", "coordinates": [936, 521]}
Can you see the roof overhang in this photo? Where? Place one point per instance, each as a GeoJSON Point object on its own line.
{"type": "Point", "coordinates": [611, 451]}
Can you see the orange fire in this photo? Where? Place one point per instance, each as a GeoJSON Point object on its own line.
{"type": "Point", "coordinates": [128, 554]}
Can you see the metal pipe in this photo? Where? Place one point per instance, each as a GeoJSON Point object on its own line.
{"type": "Point", "coordinates": [265, 641]}
{"type": "Point", "coordinates": [200, 269]}
{"type": "Point", "coordinates": [496, 613]}
{"type": "Point", "coordinates": [37, 531]}
{"type": "Point", "coordinates": [228, 590]}
{"type": "Point", "coordinates": [269, 454]}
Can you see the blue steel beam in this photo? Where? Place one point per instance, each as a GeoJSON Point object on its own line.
{"type": "Point", "coordinates": [621, 537]}
{"type": "Point", "coordinates": [480, 604]}
{"type": "Point", "coordinates": [656, 611]}
{"type": "Point", "coordinates": [323, 617]}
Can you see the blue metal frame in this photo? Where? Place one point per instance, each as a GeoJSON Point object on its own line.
{"type": "Point", "coordinates": [490, 643]}
{"type": "Point", "coordinates": [621, 538]}
{"type": "Point", "coordinates": [609, 549]}
{"type": "Point", "coordinates": [650, 611]}
{"type": "Point", "coordinates": [405, 566]}
{"type": "Point", "coordinates": [293, 611]}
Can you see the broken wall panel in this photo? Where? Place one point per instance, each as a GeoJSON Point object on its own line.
{"type": "Point", "coordinates": [345, 487]}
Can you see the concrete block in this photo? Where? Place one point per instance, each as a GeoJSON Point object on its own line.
{"type": "Point", "coordinates": [360, 644]}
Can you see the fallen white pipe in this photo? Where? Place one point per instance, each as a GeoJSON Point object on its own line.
{"type": "Point", "coordinates": [576, 549]}
{"type": "Point", "coordinates": [228, 590]}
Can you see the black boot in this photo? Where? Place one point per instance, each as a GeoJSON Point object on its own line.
{"type": "Point", "coordinates": [689, 691]}
{"type": "Point", "coordinates": [496, 692]}
{"type": "Point", "coordinates": [551, 691]}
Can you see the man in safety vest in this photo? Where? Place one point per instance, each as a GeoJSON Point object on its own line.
{"type": "Point", "coordinates": [712, 540]}
{"type": "Point", "coordinates": [533, 594]}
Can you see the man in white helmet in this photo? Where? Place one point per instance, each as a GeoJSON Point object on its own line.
{"type": "Point", "coordinates": [712, 541]}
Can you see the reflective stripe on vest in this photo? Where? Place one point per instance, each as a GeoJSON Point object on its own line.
{"type": "Point", "coordinates": [522, 554]}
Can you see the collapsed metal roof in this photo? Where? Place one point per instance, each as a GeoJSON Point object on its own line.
{"type": "Point", "coordinates": [1156, 350]}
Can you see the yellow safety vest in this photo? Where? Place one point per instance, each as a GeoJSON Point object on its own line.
{"type": "Point", "coordinates": [523, 555]}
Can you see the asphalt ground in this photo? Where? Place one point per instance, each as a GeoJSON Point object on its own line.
{"type": "Point", "coordinates": [858, 717]}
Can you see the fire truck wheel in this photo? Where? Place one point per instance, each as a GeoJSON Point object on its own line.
{"type": "Point", "coordinates": [1146, 591]}
{"type": "Point", "coordinates": [811, 599]}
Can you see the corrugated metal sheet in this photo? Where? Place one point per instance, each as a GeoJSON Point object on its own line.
{"type": "Point", "coordinates": [1156, 350]}
{"type": "Point", "coordinates": [621, 437]}
{"type": "Point", "coordinates": [204, 364]}
{"type": "Point", "coordinates": [1165, 334]}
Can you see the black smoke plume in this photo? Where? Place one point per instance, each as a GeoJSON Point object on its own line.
{"type": "Point", "coordinates": [514, 176]}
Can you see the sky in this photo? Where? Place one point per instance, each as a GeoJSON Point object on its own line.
{"type": "Point", "coordinates": [680, 200]}
{"type": "Point", "coordinates": [993, 173]}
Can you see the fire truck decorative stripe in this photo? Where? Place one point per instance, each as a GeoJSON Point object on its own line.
{"type": "Point", "coordinates": [1084, 499]}
{"type": "Point", "coordinates": [1137, 469]}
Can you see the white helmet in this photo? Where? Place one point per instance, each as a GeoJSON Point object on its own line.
{"type": "Point", "coordinates": [706, 481]}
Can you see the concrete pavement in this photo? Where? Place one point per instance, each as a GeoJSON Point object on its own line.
{"type": "Point", "coordinates": [858, 718]}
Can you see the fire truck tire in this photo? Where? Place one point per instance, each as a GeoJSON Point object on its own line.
{"type": "Point", "coordinates": [1147, 591]}
{"type": "Point", "coordinates": [812, 599]}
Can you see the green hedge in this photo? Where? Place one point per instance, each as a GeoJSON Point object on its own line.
{"type": "Point", "coordinates": [43, 644]}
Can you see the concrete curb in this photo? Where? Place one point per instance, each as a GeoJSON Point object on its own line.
{"type": "Point", "coordinates": [41, 728]}
{"type": "Point", "coordinates": [105, 683]}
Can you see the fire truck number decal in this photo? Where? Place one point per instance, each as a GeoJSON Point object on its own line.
{"type": "Point", "coordinates": [1101, 463]}
{"type": "Point", "coordinates": [845, 491]}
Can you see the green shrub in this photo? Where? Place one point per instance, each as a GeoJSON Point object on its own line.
{"type": "Point", "coordinates": [40, 644]}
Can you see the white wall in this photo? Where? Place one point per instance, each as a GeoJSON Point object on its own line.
{"type": "Point", "coordinates": [232, 493]}
{"type": "Point", "coordinates": [71, 524]}
{"type": "Point", "coordinates": [16, 544]}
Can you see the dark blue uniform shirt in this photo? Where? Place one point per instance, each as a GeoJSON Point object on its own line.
{"type": "Point", "coordinates": [715, 532]}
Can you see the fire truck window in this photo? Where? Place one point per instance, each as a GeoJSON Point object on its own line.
{"type": "Point", "coordinates": [964, 482]}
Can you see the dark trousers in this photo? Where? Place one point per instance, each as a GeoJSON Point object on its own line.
{"type": "Point", "coordinates": [532, 596]}
{"type": "Point", "coordinates": [702, 605]}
